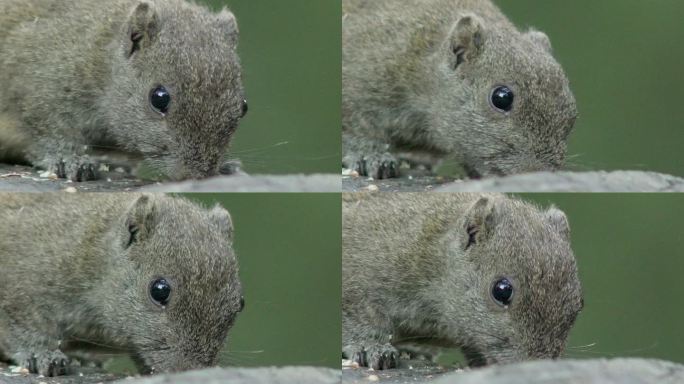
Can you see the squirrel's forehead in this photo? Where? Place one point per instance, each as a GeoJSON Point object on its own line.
{"type": "Point", "coordinates": [198, 265]}
{"type": "Point", "coordinates": [196, 41]}
{"type": "Point", "coordinates": [184, 238]}
{"type": "Point", "coordinates": [529, 240]}
{"type": "Point", "coordinates": [523, 59]}
{"type": "Point", "coordinates": [220, 80]}
{"type": "Point", "coordinates": [516, 216]}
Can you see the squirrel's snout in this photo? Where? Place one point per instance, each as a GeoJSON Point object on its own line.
{"type": "Point", "coordinates": [183, 363]}
{"type": "Point", "coordinates": [194, 170]}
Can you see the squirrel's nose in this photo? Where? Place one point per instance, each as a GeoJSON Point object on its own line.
{"type": "Point", "coordinates": [194, 169]}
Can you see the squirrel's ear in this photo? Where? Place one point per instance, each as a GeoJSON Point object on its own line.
{"type": "Point", "coordinates": [559, 222]}
{"type": "Point", "coordinates": [227, 23]}
{"type": "Point", "coordinates": [222, 218]}
{"type": "Point", "coordinates": [139, 221]}
{"type": "Point", "coordinates": [141, 29]}
{"type": "Point", "coordinates": [479, 222]}
{"type": "Point", "coordinates": [466, 39]}
{"type": "Point", "coordinates": [540, 38]}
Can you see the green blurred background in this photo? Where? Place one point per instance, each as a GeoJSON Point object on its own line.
{"type": "Point", "coordinates": [289, 250]}
{"type": "Point", "coordinates": [625, 60]}
{"type": "Point", "coordinates": [291, 58]}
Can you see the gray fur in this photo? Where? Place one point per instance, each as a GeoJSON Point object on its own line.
{"type": "Point", "coordinates": [408, 94]}
{"type": "Point", "coordinates": [68, 274]}
{"type": "Point", "coordinates": [410, 277]}
{"type": "Point", "coordinates": [70, 88]}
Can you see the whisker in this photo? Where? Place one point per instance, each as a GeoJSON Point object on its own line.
{"type": "Point", "coordinates": [579, 352]}
{"type": "Point", "coordinates": [91, 342]}
{"type": "Point", "coordinates": [245, 352]}
{"type": "Point", "coordinates": [583, 346]}
{"type": "Point", "coordinates": [276, 145]}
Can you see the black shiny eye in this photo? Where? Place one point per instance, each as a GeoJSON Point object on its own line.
{"type": "Point", "coordinates": [242, 303]}
{"type": "Point", "coordinates": [502, 292]}
{"type": "Point", "coordinates": [245, 108]}
{"type": "Point", "coordinates": [160, 290]}
{"type": "Point", "coordinates": [160, 99]}
{"type": "Point", "coordinates": [502, 99]}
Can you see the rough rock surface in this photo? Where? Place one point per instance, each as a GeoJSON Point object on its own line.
{"type": "Point", "coordinates": [25, 179]}
{"type": "Point", "coordinates": [286, 183]}
{"type": "Point", "coordinates": [414, 371]}
{"type": "Point", "coordinates": [16, 178]}
{"type": "Point", "coordinates": [86, 376]}
{"type": "Point", "coordinates": [619, 181]}
{"type": "Point", "coordinates": [412, 180]}
{"type": "Point", "coordinates": [413, 184]}
{"type": "Point", "coordinates": [597, 371]}
{"type": "Point", "coordinates": [286, 375]}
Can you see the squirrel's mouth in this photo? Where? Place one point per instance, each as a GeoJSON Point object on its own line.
{"type": "Point", "coordinates": [474, 173]}
{"type": "Point", "coordinates": [471, 172]}
{"type": "Point", "coordinates": [475, 358]}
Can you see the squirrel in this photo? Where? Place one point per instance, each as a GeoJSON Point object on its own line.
{"type": "Point", "coordinates": [433, 79]}
{"type": "Point", "coordinates": [491, 275]}
{"type": "Point", "coordinates": [157, 80]}
{"type": "Point", "coordinates": [149, 274]}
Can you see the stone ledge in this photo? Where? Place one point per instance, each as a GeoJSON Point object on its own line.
{"type": "Point", "coordinates": [595, 371]}
{"type": "Point", "coordinates": [285, 375]}
{"type": "Point", "coordinates": [619, 181]}
{"type": "Point", "coordinates": [599, 181]}
{"type": "Point", "coordinates": [26, 179]}
{"type": "Point", "coordinates": [284, 183]}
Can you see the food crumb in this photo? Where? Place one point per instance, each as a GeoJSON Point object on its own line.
{"type": "Point", "coordinates": [21, 370]}
{"type": "Point", "coordinates": [48, 175]}
{"type": "Point", "coordinates": [349, 364]}
{"type": "Point", "coordinates": [350, 173]}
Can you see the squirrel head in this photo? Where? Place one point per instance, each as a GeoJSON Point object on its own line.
{"type": "Point", "coordinates": [173, 290]}
{"type": "Point", "coordinates": [508, 96]}
{"type": "Point", "coordinates": [176, 94]}
{"type": "Point", "coordinates": [514, 279]}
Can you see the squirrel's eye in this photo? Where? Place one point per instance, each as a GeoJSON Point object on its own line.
{"type": "Point", "coordinates": [502, 99]}
{"type": "Point", "coordinates": [160, 99]}
{"type": "Point", "coordinates": [160, 290]}
{"type": "Point", "coordinates": [242, 303]}
{"type": "Point", "coordinates": [502, 292]}
{"type": "Point", "coordinates": [245, 108]}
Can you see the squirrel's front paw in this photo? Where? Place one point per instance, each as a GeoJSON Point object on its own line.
{"type": "Point", "coordinates": [377, 356]}
{"type": "Point", "coordinates": [86, 172]}
{"type": "Point", "coordinates": [46, 363]}
{"type": "Point", "coordinates": [52, 363]}
{"type": "Point", "coordinates": [76, 171]}
{"type": "Point", "coordinates": [377, 166]}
